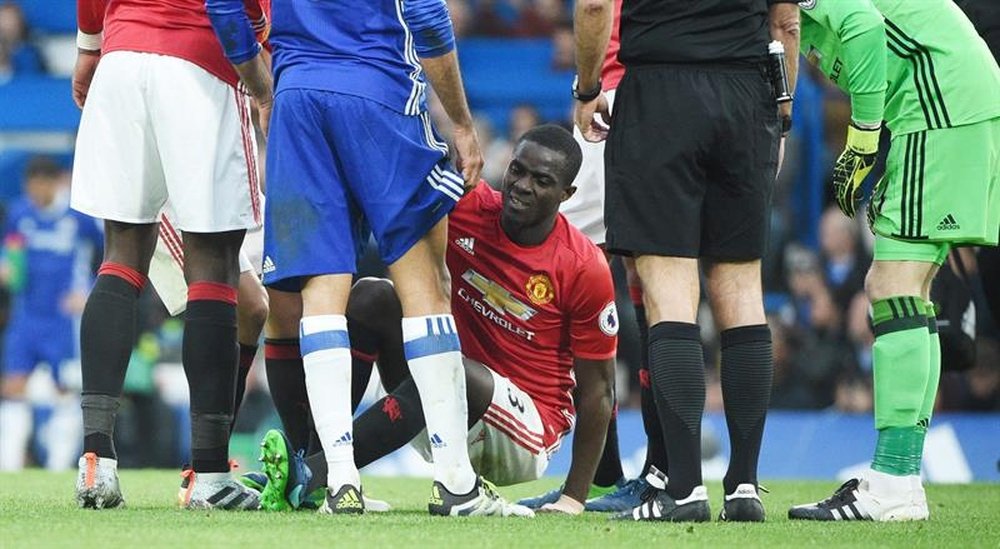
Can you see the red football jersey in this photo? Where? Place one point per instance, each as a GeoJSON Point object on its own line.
{"type": "Point", "coordinates": [613, 71]}
{"type": "Point", "coordinates": [178, 28]}
{"type": "Point", "coordinates": [526, 312]}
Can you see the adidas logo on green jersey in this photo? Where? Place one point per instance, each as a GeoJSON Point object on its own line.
{"type": "Point", "coordinates": [948, 224]}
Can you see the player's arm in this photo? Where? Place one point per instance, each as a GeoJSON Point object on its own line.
{"type": "Point", "coordinates": [594, 401]}
{"type": "Point", "coordinates": [434, 40]}
{"type": "Point", "coordinates": [592, 20]}
{"type": "Point", "coordinates": [89, 35]}
{"type": "Point", "coordinates": [593, 343]}
{"type": "Point", "coordinates": [783, 16]}
{"type": "Point", "coordinates": [239, 42]}
{"type": "Point", "coordinates": [861, 30]}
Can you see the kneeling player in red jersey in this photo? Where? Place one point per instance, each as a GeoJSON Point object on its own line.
{"type": "Point", "coordinates": [534, 305]}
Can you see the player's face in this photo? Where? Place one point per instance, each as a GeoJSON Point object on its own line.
{"type": "Point", "coordinates": [532, 188]}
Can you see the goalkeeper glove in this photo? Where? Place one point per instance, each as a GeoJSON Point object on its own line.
{"type": "Point", "coordinates": [853, 166]}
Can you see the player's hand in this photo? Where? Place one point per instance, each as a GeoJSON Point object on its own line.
{"type": "Point", "coordinates": [593, 130]}
{"type": "Point", "coordinates": [853, 166]}
{"type": "Point", "coordinates": [83, 74]}
{"type": "Point", "coordinates": [469, 159]}
{"type": "Point", "coordinates": [565, 505]}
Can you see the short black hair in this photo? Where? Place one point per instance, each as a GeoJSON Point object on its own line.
{"type": "Point", "coordinates": [42, 166]}
{"type": "Point", "coordinates": [560, 140]}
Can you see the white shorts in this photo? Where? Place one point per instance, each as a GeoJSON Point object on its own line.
{"type": "Point", "coordinates": [506, 445]}
{"type": "Point", "coordinates": [585, 209]}
{"type": "Point", "coordinates": [166, 269]}
{"type": "Point", "coordinates": [158, 127]}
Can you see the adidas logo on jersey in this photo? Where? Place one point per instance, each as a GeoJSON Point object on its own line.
{"type": "Point", "coordinates": [437, 441]}
{"type": "Point", "coordinates": [948, 224]}
{"type": "Point", "coordinates": [344, 440]}
{"type": "Point", "coordinates": [467, 243]}
{"type": "Point", "coordinates": [268, 265]}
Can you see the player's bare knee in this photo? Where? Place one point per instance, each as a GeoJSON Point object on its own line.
{"type": "Point", "coordinates": [212, 257]}
{"type": "Point", "coordinates": [283, 315]}
{"type": "Point", "coordinates": [735, 293]}
{"type": "Point", "coordinates": [372, 299]}
{"type": "Point", "coordinates": [253, 304]}
{"type": "Point", "coordinates": [887, 279]}
{"type": "Point", "coordinates": [129, 244]}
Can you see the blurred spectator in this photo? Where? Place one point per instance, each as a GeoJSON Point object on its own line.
{"type": "Point", "coordinates": [493, 18]}
{"type": "Point", "coordinates": [844, 264]}
{"type": "Point", "coordinates": [806, 367]}
{"type": "Point", "coordinates": [854, 394]}
{"type": "Point", "coordinates": [17, 55]}
{"type": "Point", "coordinates": [563, 49]}
{"type": "Point", "coordinates": [814, 305]}
{"type": "Point", "coordinates": [859, 332]}
{"type": "Point", "coordinates": [47, 255]}
{"type": "Point", "coordinates": [539, 18]}
{"type": "Point", "coordinates": [522, 118]}
{"type": "Point", "coordinates": [461, 17]}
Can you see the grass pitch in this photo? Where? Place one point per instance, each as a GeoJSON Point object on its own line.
{"type": "Point", "coordinates": [37, 510]}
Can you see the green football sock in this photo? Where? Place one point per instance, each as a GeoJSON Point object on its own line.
{"type": "Point", "coordinates": [901, 365]}
{"type": "Point", "coordinates": [927, 410]}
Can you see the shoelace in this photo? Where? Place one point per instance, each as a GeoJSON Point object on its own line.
{"type": "Point", "coordinates": [490, 489]}
{"type": "Point", "coordinates": [840, 495]}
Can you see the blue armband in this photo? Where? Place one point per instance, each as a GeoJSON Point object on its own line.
{"type": "Point", "coordinates": [233, 28]}
{"type": "Point", "coordinates": [430, 24]}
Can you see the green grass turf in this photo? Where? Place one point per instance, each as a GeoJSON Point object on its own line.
{"type": "Point", "coordinates": [37, 510]}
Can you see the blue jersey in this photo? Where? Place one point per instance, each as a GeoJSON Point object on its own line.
{"type": "Point", "coordinates": [355, 47]}
{"type": "Point", "coordinates": [59, 244]}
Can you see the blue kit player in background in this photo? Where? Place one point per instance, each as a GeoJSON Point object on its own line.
{"type": "Point", "coordinates": [351, 147]}
{"type": "Point", "coordinates": [46, 266]}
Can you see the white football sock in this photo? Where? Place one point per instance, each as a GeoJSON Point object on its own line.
{"type": "Point", "coordinates": [434, 354]}
{"type": "Point", "coordinates": [326, 358]}
{"type": "Point", "coordinates": [15, 424]}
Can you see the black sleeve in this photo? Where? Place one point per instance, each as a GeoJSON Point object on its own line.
{"type": "Point", "coordinates": [773, 2]}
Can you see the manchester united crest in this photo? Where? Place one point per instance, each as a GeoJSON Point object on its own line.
{"type": "Point", "coordinates": [540, 290]}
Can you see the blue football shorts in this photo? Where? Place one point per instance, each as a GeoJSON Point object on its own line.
{"type": "Point", "coordinates": [339, 166]}
{"type": "Point", "coordinates": [31, 341]}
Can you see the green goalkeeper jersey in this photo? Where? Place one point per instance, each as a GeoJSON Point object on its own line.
{"type": "Point", "coordinates": [916, 64]}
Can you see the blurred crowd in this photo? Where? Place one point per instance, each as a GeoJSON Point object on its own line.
{"type": "Point", "coordinates": [814, 271]}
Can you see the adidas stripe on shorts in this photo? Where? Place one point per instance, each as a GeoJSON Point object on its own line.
{"type": "Point", "coordinates": [942, 185]}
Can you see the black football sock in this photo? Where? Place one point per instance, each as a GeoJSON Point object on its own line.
{"type": "Point", "coordinates": [286, 381]}
{"type": "Point", "coordinates": [364, 352]}
{"type": "Point", "coordinates": [382, 429]}
{"type": "Point", "coordinates": [677, 368]}
{"type": "Point", "coordinates": [747, 371]}
{"type": "Point", "coordinates": [211, 358]}
{"type": "Point", "coordinates": [609, 469]}
{"type": "Point", "coordinates": [247, 354]}
{"type": "Point", "coordinates": [107, 333]}
{"type": "Point", "coordinates": [656, 452]}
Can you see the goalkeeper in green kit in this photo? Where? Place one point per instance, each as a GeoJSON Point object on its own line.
{"type": "Point", "coordinates": [920, 67]}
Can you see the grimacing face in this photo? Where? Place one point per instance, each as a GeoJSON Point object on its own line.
{"type": "Point", "coordinates": [532, 185]}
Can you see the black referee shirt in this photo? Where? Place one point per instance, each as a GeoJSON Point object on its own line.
{"type": "Point", "coordinates": [694, 31]}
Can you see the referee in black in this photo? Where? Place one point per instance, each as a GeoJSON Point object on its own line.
{"type": "Point", "coordinates": [690, 162]}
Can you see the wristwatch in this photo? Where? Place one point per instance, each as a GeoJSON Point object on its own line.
{"type": "Point", "coordinates": [585, 95]}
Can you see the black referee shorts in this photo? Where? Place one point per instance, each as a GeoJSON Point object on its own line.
{"type": "Point", "coordinates": [690, 162]}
